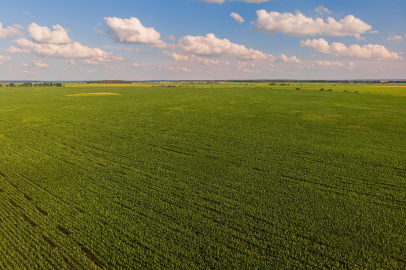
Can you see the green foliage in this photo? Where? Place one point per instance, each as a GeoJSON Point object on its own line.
{"type": "Point", "coordinates": [202, 178]}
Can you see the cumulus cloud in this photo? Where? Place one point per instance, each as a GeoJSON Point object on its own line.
{"type": "Point", "coordinates": [285, 59]}
{"type": "Point", "coordinates": [395, 38]}
{"type": "Point", "coordinates": [177, 69]}
{"type": "Point", "coordinates": [89, 62]}
{"type": "Point", "coordinates": [134, 65]}
{"type": "Point", "coordinates": [31, 72]}
{"type": "Point", "coordinates": [192, 58]}
{"type": "Point", "coordinates": [38, 63]}
{"type": "Point", "coordinates": [171, 37]}
{"type": "Point", "coordinates": [10, 31]}
{"type": "Point", "coordinates": [300, 25]}
{"type": "Point", "coordinates": [374, 32]}
{"type": "Point", "coordinates": [42, 34]}
{"type": "Point", "coordinates": [98, 31]}
{"type": "Point", "coordinates": [321, 10]}
{"type": "Point", "coordinates": [70, 61]}
{"type": "Point", "coordinates": [237, 17]}
{"type": "Point", "coordinates": [3, 59]}
{"type": "Point", "coordinates": [24, 64]}
{"type": "Point", "coordinates": [358, 37]}
{"type": "Point", "coordinates": [13, 49]}
{"type": "Point", "coordinates": [88, 70]}
{"type": "Point", "coordinates": [354, 51]}
{"type": "Point", "coordinates": [177, 57]}
{"type": "Point", "coordinates": [73, 50]}
{"type": "Point", "coordinates": [210, 45]}
{"type": "Point", "coordinates": [326, 63]}
{"type": "Point", "coordinates": [132, 31]}
{"type": "Point", "coordinates": [351, 65]}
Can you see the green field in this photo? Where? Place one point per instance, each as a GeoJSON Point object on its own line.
{"type": "Point", "coordinates": [225, 176]}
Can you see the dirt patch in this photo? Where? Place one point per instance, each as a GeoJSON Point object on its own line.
{"type": "Point", "coordinates": [92, 94]}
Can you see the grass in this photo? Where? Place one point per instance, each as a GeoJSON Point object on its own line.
{"type": "Point", "coordinates": [224, 177]}
{"type": "Point", "coordinates": [92, 94]}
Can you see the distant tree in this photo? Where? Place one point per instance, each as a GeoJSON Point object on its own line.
{"type": "Point", "coordinates": [1, 85]}
{"type": "Point", "coordinates": [12, 85]}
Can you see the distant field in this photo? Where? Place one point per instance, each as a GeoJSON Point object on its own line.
{"type": "Point", "coordinates": [224, 176]}
{"type": "Point", "coordinates": [102, 85]}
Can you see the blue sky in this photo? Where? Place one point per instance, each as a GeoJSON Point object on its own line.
{"type": "Point", "coordinates": [162, 39]}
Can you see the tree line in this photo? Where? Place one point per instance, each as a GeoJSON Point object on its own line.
{"type": "Point", "coordinates": [29, 84]}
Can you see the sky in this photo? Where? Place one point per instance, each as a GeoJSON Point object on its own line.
{"type": "Point", "coordinates": [202, 39]}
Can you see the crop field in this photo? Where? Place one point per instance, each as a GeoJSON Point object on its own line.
{"type": "Point", "coordinates": [224, 176]}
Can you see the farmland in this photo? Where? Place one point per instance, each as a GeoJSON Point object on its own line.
{"type": "Point", "coordinates": [224, 176]}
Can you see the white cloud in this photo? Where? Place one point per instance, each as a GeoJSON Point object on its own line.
{"type": "Point", "coordinates": [100, 32]}
{"type": "Point", "coordinates": [3, 59]}
{"type": "Point", "coordinates": [13, 49]}
{"type": "Point", "coordinates": [74, 50]}
{"type": "Point", "coordinates": [351, 65]}
{"type": "Point", "coordinates": [192, 58]}
{"type": "Point", "coordinates": [374, 32]}
{"type": "Point", "coordinates": [321, 10]}
{"type": "Point", "coordinates": [178, 57]}
{"type": "Point", "coordinates": [121, 48]}
{"type": "Point", "coordinates": [353, 51]}
{"type": "Point", "coordinates": [26, 12]}
{"type": "Point", "coordinates": [395, 38]}
{"type": "Point", "coordinates": [237, 17]}
{"type": "Point", "coordinates": [285, 59]}
{"type": "Point", "coordinates": [31, 72]}
{"type": "Point", "coordinates": [177, 69]}
{"type": "Point", "coordinates": [37, 63]}
{"type": "Point", "coordinates": [358, 37]}
{"type": "Point", "coordinates": [88, 70]}
{"type": "Point", "coordinates": [134, 65]}
{"type": "Point", "coordinates": [89, 62]}
{"type": "Point", "coordinates": [300, 25]}
{"type": "Point", "coordinates": [171, 37]}
{"type": "Point", "coordinates": [70, 61]}
{"type": "Point", "coordinates": [10, 31]}
{"type": "Point", "coordinates": [42, 34]}
{"type": "Point", "coordinates": [326, 63]}
{"type": "Point", "coordinates": [132, 31]}
{"type": "Point", "coordinates": [210, 45]}
{"type": "Point", "coordinates": [24, 64]}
